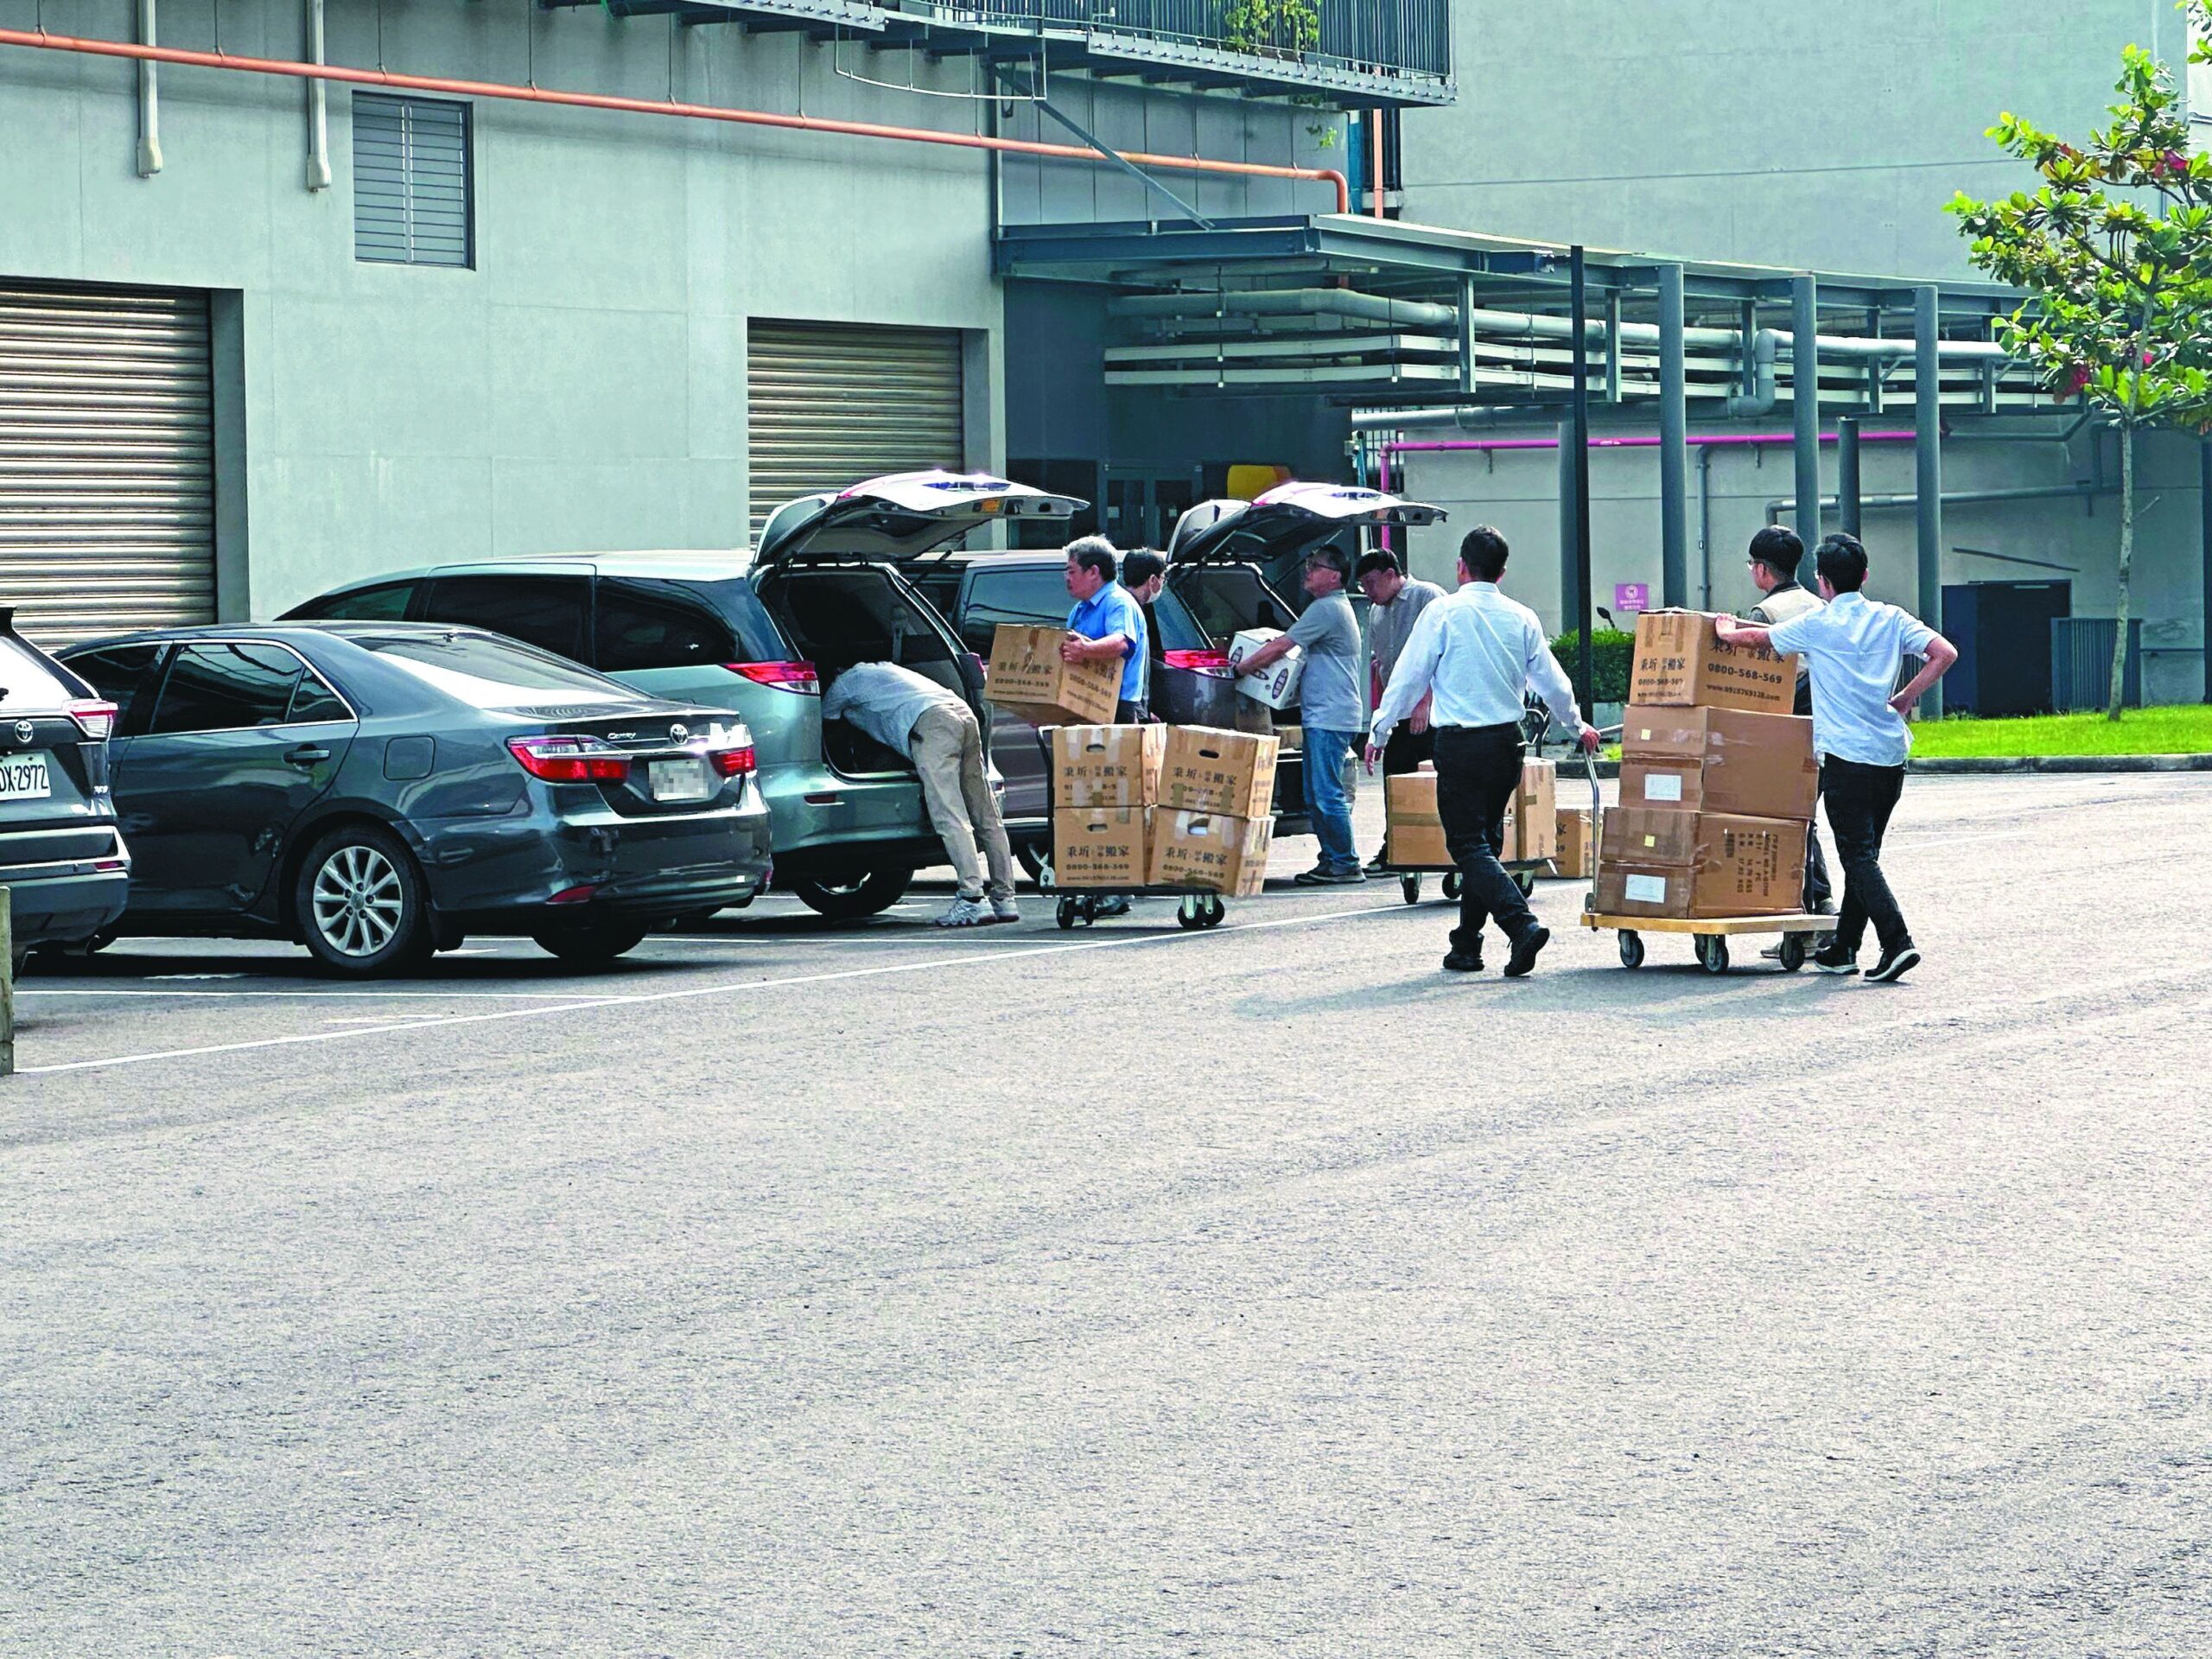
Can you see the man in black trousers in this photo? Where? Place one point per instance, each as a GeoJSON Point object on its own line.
{"type": "Point", "coordinates": [1476, 653]}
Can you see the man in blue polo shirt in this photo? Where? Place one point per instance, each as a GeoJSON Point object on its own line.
{"type": "Point", "coordinates": [1106, 624]}
{"type": "Point", "coordinates": [1851, 649]}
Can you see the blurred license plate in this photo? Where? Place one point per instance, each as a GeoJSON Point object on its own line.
{"type": "Point", "coordinates": [680, 780]}
{"type": "Point", "coordinates": [23, 777]}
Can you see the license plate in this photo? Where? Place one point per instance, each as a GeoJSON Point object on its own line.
{"type": "Point", "coordinates": [23, 777]}
{"type": "Point", "coordinates": [680, 780]}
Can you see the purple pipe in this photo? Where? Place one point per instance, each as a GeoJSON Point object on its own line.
{"type": "Point", "coordinates": [1433, 445]}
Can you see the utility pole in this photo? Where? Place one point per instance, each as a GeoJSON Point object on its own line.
{"type": "Point", "coordinates": [1577, 281]}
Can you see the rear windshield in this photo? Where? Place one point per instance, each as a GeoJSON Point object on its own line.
{"type": "Point", "coordinates": [487, 672]}
{"type": "Point", "coordinates": [1226, 599]}
{"type": "Point", "coordinates": [27, 680]}
{"type": "Point", "coordinates": [841, 614]}
{"type": "Point", "coordinates": [1173, 627]}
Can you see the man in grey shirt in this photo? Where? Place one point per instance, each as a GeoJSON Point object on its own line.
{"type": "Point", "coordinates": [1330, 710]}
{"type": "Point", "coordinates": [933, 727]}
{"type": "Point", "coordinates": [1396, 601]}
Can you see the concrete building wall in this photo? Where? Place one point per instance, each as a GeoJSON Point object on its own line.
{"type": "Point", "coordinates": [1800, 135]}
{"type": "Point", "coordinates": [584, 385]}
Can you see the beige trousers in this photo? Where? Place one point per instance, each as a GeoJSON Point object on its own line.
{"type": "Point", "coordinates": [947, 749]}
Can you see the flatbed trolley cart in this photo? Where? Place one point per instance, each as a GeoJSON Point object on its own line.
{"type": "Point", "coordinates": [1524, 871]}
{"type": "Point", "coordinates": [1202, 908]}
{"type": "Point", "coordinates": [1709, 934]}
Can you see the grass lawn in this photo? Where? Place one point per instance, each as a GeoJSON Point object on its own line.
{"type": "Point", "coordinates": [2185, 728]}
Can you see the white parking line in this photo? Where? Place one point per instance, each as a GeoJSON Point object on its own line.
{"type": "Point", "coordinates": [964, 959]}
{"type": "Point", "coordinates": [310, 991]}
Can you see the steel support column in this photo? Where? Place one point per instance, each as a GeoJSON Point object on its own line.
{"type": "Point", "coordinates": [1466, 337]}
{"type": "Point", "coordinates": [1805, 402]}
{"type": "Point", "coordinates": [1846, 475]}
{"type": "Point", "coordinates": [1568, 520]}
{"type": "Point", "coordinates": [2204, 520]}
{"type": "Point", "coordinates": [1579, 295]}
{"type": "Point", "coordinates": [1927, 470]}
{"type": "Point", "coordinates": [150, 97]}
{"type": "Point", "coordinates": [1673, 451]}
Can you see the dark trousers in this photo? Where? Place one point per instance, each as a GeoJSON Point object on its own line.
{"type": "Point", "coordinates": [1861, 799]}
{"type": "Point", "coordinates": [1478, 769]}
{"type": "Point", "coordinates": [1404, 753]}
{"type": "Point", "coordinates": [1127, 713]}
{"type": "Point", "coordinates": [1818, 889]}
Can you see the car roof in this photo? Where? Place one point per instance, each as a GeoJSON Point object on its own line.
{"type": "Point", "coordinates": [679, 564]}
{"type": "Point", "coordinates": [276, 630]}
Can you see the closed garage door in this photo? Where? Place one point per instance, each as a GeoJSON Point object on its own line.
{"type": "Point", "coordinates": [107, 480]}
{"type": "Point", "coordinates": [831, 403]}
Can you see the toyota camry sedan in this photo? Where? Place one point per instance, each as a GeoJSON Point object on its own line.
{"type": "Point", "coordinates": [380, 791]}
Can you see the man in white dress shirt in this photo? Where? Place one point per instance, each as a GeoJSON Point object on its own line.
{"type": "Point", "coordinates": [1476, 654]}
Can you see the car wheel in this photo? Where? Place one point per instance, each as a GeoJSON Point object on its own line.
{"type": "Point", "coordinates": [849, 900]}
{"type": "Point", "coordinates": [360, 903]}
{"type": "Point", "coordinates": [590, 944]}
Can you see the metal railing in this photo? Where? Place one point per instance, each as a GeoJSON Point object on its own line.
{"type": "Point", "coordinates": [1376, 35]}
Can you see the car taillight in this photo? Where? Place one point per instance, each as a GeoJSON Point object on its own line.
{"type": "Point", "coordinates": [785, 676]}
{"type": "Point", "coordinates": [95, 719]}
{"type": "Point", "coordinates": [1196, 658]}
{"type": "Point", "coordinates": [732, 763]}
{"type": "Point", "coordinates": [562, 759]}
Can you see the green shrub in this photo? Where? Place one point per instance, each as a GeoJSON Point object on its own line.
{"type": "Point", "coordinates": [1613, 654]}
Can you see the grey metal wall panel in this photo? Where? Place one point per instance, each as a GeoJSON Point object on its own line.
{"type": "Point", "coordinates": [410, 181]}
{"type": "Point", "coordinates": [831, 403]}
{"type": "Point", "coordinates": [107, 478]}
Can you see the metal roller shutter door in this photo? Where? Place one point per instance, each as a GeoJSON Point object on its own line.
{"type": "Point", "coordinates": [107, 475]}
{"type": "Point", "coordinates": [831, 403]}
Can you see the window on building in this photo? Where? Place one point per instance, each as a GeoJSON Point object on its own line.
{"type": "Point", "coordinates": [411, 193]}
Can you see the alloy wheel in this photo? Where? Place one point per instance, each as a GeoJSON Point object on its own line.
{"type": "Point", "coordinates": [358, 900]}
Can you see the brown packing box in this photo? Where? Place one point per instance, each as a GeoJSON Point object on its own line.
{"type": "Point", "coordinates": [1412, 829]}
{"type": "Point", "coordinates": [1576, 834]}
{"type": "Point", "coordinates": [1207, 769]}
{"type": "Point", "coordinates": [1680, 663]}
{"type": "Point", "coordinates": [1718, 761]}
{"type": "Point", "coordinates": [1212, 850]}
{"type": "Point", "coordinates": [1107, 765]}
{"type": "Point", "coordinates": [1532, 821]}
{"type": "Point", "coordinates": [1101, 847]}
{"type": "Point", "coordinates": [1027, 675]}
{"type": "Point", "coordinates": [1692, 865]}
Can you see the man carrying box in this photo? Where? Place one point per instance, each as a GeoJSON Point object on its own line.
{"type": "Point", "coordinates": [1396, 603]}
{"type": "Point", "coordinates": [1851, 648]}
{"type": "Point", "coordinates": [1106, 625]}
{"type": "Point", "coordinates": [935, 729]}
{"type": "Point", "coordinates": [1775, 554]}
{"type": "Point", "coordinates": [1330, 704]}
{"type": "Point", "coordinates": [1476, 653]}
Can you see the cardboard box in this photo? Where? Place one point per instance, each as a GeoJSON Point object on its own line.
{"type": "Point", "coordinates": [1027, 677]}
{"type": "Point", "coordinates": [1576, 835]}
{"type": "Point", "coordinates": [1718, 761]}
{"type": "Point", "coordinates": [1691, 865]}
{"type": "Point", "coordinates": [1101, 847]}
{"type": "Point", "coordinates": [1207, 769]}
{"type": "Point", "coordinates": [1532, 821]}
{"type": "Point", "coordinates": [1213, 851]}
{"type": "Point", "coordinates": [1413, 833]}
{"type": "Point", "coordinates": [1278, 686]}
{"type": "Point", "coordinates": [1680, 663]}
{"type": "Point", "coordinates": [1107, 765]}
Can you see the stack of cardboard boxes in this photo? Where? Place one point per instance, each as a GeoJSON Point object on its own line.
{"type": "Point", "coordinates": [1717, 783]}
{"type": "Point", "coordinates": [1181, 806]}
{"type": "Point", "coordinates": [1413, 833]}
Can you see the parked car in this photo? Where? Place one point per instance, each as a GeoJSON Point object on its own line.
{"type": "Point", "coordinates": [760, 636]}
{"type": "Point", "coordinates": [63, 857]}
{"type": "Point", "coordinates": [380, 790]}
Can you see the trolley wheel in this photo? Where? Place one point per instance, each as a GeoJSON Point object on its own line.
{"type": "Point", "coordinates": [1452, 884]}
{"type": "Point", "coordinates": [1793, 952]}
{"type": "Point", "coordinates": [1631, 948]}
{"type": "Point", "coordinates": [1190, 912]}
{"type": "Point", "coordinates": [1064, 912]}
{"type": "Point", "coordinates": [1712, 953]}
{"type": "Point", "coordinates": [1217, 908]}
{"type": "Point", "coordinates": [1410, 885]}
{"type": "Point", "coordinates": [1526, 881]}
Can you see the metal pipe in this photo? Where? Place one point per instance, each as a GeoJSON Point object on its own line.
{"type": "Point", "coordinates": [318, 106]}
{"type": "Point", "coordinates": [2089, 489]}
{"type": "Point", "coordinates": [1578, 292]}
{"type": "Point", "coordinates": [1375, 157]}
{"type": "Point", "coordinates": [1846, 473]}
{"type": "Point", "coordinates": [1928, 474]}
{"type": "Point", "coordinates": [1565, 444]}
{"type": "Point", "coordinates": [1805, 402]}
{"type": "Point", "coordinates": [1633, 440]}
{"type": "Point", "coordinates": [2204, 523]}
{"type": "Point", "coordinates": [152, 55]}
{"type": "Point", "coordinates": [1284, 302]}
{"type": "Point", "coordinates": [149, 96]}
{"type": "Point", "coordinates": [1674, 425]}
{"type": "Point", "coordinates": [1705, 526]}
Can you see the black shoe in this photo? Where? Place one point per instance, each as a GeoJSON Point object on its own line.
{"type": "Point", "coordinates": [1894, 965]}
{"type": "Point", "coordinates": [1524, 951]}
{"type": "Point", "coordinates": [1321, 876]}
{"type": "Point", "coordinates": [1377, 864]}
{"type": "Point", "coordinates": [1830, 960]}
{"type": "Point", "coordinates": [1464, 962]}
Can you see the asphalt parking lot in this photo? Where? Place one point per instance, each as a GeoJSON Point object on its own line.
{"type": "Point", "coordinates": [801, 1290]}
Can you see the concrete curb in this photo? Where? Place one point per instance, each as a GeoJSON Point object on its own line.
{"type": "Point", "coordinates": [2008, 764]}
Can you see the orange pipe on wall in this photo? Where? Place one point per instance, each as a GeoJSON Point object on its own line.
{"type": "Point", "coordinates": [300, 71]}
{"type": "Point", "coordinates": [1374, 151]}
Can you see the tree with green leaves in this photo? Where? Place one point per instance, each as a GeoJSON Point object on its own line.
{"type": "Point", "coordinates": [2115, 249]}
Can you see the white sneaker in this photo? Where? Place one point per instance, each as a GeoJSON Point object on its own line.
{"type": "Point", "coordinates": [966, 912]}
{"type": "Point", "coordinates": [1004, 910]}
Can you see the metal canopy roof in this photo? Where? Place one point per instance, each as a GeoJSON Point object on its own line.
{"type": "Point", "coordinates": [1421, 261]}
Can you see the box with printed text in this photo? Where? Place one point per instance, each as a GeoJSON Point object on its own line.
{"type": "Point", "coordinates": [1101, 847]}
{"type": "Point", "coordinates": [1276, 685]}
{"type": "Point", "coordinates": [1207, 769]}
{"type": "Point", "coordinates": [1107, 765]}
{"type": "Point", "coordinates": [1718, 761]}
{"type": "Point", "coordinates": [1686, 864]}
{"type": "Point", "coordinates": [1680, 663]}
{"type": "Point", "coordinates": [1213, 851]}
{"type": "Point", "coordinates": [1027, 675]}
